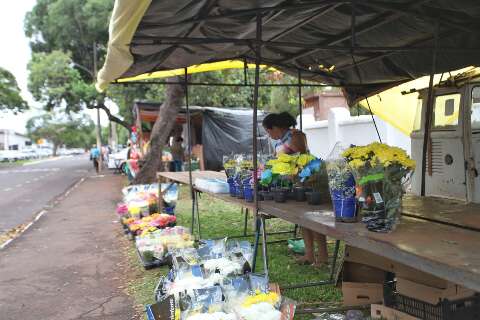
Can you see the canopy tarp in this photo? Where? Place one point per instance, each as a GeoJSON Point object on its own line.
{"type": "Point", "coordinates": [205, 67]}
{"type": "Point", "coordinates": [224, 131]}
{"type": "Point", "coordinates": [402, 109]}
{"type": "Point", "coordinates": [393, 39]}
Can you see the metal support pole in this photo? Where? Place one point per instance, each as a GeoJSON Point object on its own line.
{"type": "Point", "coordinates": [256, 243]}
{"type": "Point", "coordinates": [245, 74]}
{"type": "Point", "coordinates": [264, 246]}
{"type": "Point", "coordinates": [98, 124]}
{"type": "Point", "coordinates": [189, 149]}
{"type": "Point", "coordinates": [245, 225]}
{"type": "Point", "coordinates": [197, 196]}
{"type": "Point", "coordinates": [258, 57]}
{"type": "Point", "coordinates": [300, 107]}
{"type": "Point", "coordinates": [428, 112]}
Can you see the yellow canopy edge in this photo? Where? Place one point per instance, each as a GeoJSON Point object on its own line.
{"type": "Point", "coordinates": [126, 16]}
{"type": "Point", "coordinates": [204, 67]}
{"type": "Point", "coordinates": [402, 110]}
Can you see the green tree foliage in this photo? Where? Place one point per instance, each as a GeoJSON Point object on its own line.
{"type": "Point", "coordinates": [70, 26]}
{"type": "Point", "coordinates": [54, 82]}
{"type": "Point", "coordinates": [72, 132]}
{"type": "Point", "coordinates": [10, 98]}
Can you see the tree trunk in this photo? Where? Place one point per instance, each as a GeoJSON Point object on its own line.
{"type": "Point", "coordinates": [164, 124]}
{"type": "Point", "coordinates": [55, 148]}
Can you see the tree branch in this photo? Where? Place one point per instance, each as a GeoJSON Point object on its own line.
{"type": "Point", "coordinates": [112, 117]}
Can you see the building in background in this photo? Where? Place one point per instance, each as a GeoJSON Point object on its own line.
{"type": "Point", "coordinates": [327, 120]}
{"type": "Point", "coordinates": [319, 104]}
{"type": "Point", "coordinates": [11, 140]}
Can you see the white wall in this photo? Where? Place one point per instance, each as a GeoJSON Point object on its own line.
{"type": "Point", "coordinates": [341, 127]}
{"type": "Point", "coordinates": [9, 138]}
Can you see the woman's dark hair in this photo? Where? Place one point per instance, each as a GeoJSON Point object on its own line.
{"type": "Point", "coordinates": [279, 120]}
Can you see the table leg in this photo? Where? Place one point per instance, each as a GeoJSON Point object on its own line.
{"type": "Point", "coordinates": [198, 216]}
{"type": "Point", "coordinates": [264, 246]}
{"type": "Point", "coordinates": [245, 222]}
{"type": "Point", "coordinates": [257, 240]}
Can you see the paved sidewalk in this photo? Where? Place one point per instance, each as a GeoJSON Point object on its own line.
{"type": "Point", "coordinates": [69, 264]}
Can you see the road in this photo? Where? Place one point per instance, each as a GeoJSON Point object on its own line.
{"type": "Point", "coordinates": [27, 189]}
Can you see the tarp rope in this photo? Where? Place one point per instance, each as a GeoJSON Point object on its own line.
{"type": "Point", "coordinates": [366, 98]}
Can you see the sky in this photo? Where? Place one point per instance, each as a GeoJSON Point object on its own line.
{"type": "Point", "coordinates": [15, 55]}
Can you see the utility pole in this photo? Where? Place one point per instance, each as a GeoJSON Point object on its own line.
{"type": "Point", "coordinates": [98, 127]}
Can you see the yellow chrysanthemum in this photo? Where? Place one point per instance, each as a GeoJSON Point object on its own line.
{"type": "Point", "coordinates": [271, 298]}
{"type": "Point", "coordinates": [303, 159]}
{"type": "Point", "coordinates": [378, 154]}
{"type": "Point", "coordinates": [282, 168]}
{"type": "Point", "coordinates": [283, 157]}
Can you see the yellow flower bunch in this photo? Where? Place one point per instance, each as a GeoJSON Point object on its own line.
{"type": "Point", "coordinates": [304, 159]}
{"type": "Point", "coordinates": [229, 164]}
{"type": "Point", "coordinates": [128, 220]}
{"type": "Point", "coordinates": [378, 153]}
{"type": "Point", "coordinates": [283, 157]}
{"type": "Point", "coordinates": [271, 298]}
{"type": "Point", "coordinates": [148, 231]}
{"type": "Point", "coordinates": [284, 169]}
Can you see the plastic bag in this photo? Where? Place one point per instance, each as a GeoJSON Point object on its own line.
{"type": "Point", "coordinates": [212, 249]}
{"type": "Point", "coordinates": [297, 246]}
{"type": "Point", "coordinates": [258, 283]}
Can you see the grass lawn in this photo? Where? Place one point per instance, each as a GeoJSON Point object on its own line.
{"type": "Point", "coordinates": [219, 219]}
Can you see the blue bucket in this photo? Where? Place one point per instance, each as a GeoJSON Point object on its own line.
{"type": "Point", "coordinates": [231, 187]}
{"type": "Point", "coordinates": [345, 208]}
{"type": "Point", "coordinates": [169, 210]}
{"type": "Point", "coordinates": [248, 193]}
{"type": "Point", "coordinates": [239, 190]}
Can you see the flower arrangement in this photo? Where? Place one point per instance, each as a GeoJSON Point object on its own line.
{"type": "Point", "coordinates": [285, 168]}
{"type": "Point", "coordinates": [380, 171]}
{"type": "Point", "coordinates": [149, 224]}
{"type": "Point", "coordinates": [342, 186]}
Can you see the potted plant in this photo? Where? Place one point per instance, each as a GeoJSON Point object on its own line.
{"type": "Point", "coordinates": [381, 172]}
{"type": "Point", "coordinates": [342, 190]}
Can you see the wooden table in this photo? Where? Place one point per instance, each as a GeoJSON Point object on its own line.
{"type": "Point", "coordinates": [450, 252]}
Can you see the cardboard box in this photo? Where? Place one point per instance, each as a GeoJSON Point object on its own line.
{"type": "Point", "coordinates": [361, 284]}
{"type": "Point", "coordinates": [361, 293]}
{"type": "Point", "coordinates": [357, 255]}
{"type": "Point", "coordinates": [379, 311]}
{"type": "Point", "coordinates": [431, 294]}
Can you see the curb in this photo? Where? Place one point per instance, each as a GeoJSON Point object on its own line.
{"type": "Point", "coordinates": [42, 212]}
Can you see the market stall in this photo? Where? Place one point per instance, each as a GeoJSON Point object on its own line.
{"type": "Point", "coordinates": [363, 47]}
{"type": "Point", "coordinates": [215, 131]}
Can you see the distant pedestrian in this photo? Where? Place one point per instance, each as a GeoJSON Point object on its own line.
{"type": "Point", "coordinates": [178, 154]}
{"type": "Point", "coordinates": [95, 156]}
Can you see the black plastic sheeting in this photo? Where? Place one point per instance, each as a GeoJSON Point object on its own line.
{"type": "Point", "coordinates": [226, 132]}
{"type": "Point", "coordinates": [317, 23]}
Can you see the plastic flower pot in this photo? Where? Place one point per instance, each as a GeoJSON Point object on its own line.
{"type": "Point", "coordinates": [279, 196]}
{"type": "Point", "coordinates": [290, 195]}
{"type": "Point", "coordinates": [248, 193]}
{"type": "Point", "coordinates": [345, 208]}
{"type": "Point", "coordinates": [169, 210]}
{"type": "Point", "coordinates": [239, 191]}
{"type": "Point", "coordinates": [299, 194]}
{"type": "Point", "coordinates": [314, 197]}
{"type": "Point", "coordinates": [231, 187]}
{"type": "Point", "coordinates": [267, 195]}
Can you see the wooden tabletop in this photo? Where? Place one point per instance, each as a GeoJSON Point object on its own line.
{"type": "Point", "coordinates": [446, 251]}
{"type": "Point", "coordinates": [442, 210]}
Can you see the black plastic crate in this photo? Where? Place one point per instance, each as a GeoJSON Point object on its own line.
{"type": "Point", "coordinates": [461, 309]}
